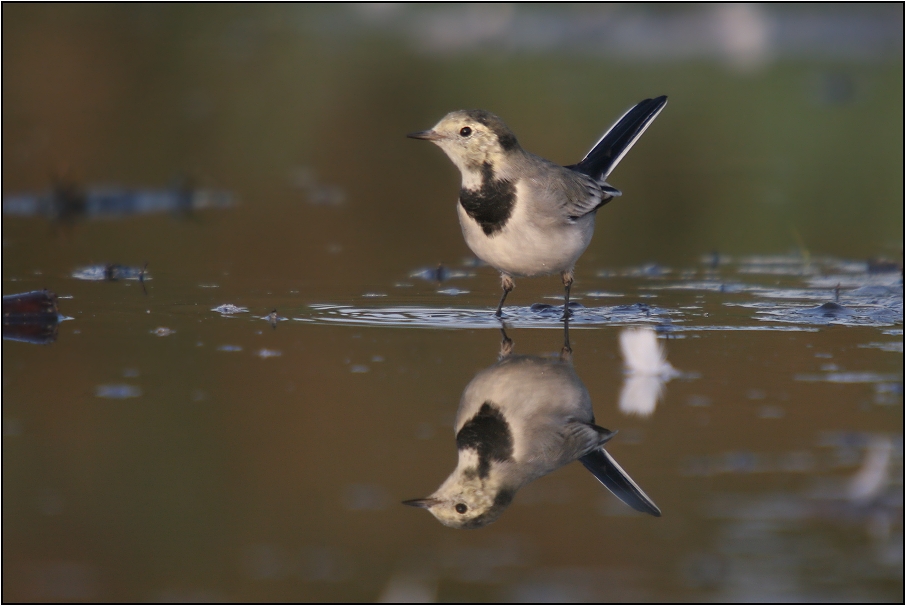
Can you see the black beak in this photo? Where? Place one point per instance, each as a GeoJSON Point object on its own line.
{"type": "Point", "coordinates": [423, 503]}
{"type": "Point", "coordinates": [427, 135]}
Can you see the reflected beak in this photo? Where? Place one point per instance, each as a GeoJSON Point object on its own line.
{"type": "Point", "coordinates": [425, 503]}
{"type": "Point", "coordinates": [427, 135]}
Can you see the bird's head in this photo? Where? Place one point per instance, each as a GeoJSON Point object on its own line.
{"type": "Point", "coordinates": [471, 138]}
{"type": "Point", "coordinates": [465, 501]}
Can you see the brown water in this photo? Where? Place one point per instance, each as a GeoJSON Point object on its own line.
{"type": "Point", "coordinates": [161, 450]}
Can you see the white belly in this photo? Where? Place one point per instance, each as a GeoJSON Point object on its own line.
{"type": "Point", "coordinates": [528, 246]}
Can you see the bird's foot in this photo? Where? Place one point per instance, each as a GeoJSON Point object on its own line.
{"type": "Point", "coordinates": [566, 354]}
{"type": "Point", "coordinates": [506, 347]}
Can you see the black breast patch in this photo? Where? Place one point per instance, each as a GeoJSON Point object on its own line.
{"type": "Point", "coordinates": [491, 204]}
{"type": "Point", "coordinates": [489, 434]}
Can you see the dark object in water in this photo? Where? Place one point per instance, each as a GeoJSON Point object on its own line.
{"type": "Point", "coordinates": [31, 317]}
{"type": "Point", "coordinates": [829, 310]}
{"type": "Point", "coordinates": [883, 266]}
{"type": "Point", "coordinates": [439, 274]}
{"type": "Point", "coordinates": [272, 318]}
{"type": "Point", "coordinates": [433, 274]}
{"type": "Point", "coordinates": [66, 202]}
{"type": "Point", "coordinates": [112, 272]}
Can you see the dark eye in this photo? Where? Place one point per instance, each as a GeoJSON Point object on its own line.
{"type": "Point", "coordinates": [465, 131]}
{"type": "Point", "coordinates": [461, 507]}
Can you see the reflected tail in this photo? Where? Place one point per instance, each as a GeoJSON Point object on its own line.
{"type": "Point", "coordinates": [617, 481]}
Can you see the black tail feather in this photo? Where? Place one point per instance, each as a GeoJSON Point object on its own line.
{"type": "Point", "coordinates": [602, 465]}
{"type": "Point", "coordinates": [611, 148]}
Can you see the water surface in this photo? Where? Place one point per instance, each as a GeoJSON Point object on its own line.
{"type": "Point", "coordinates": [241, 394]}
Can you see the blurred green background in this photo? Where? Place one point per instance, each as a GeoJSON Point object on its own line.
{"type": "Point", "coordinates": [784, 129]}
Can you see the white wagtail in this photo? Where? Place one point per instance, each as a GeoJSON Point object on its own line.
{"type": "Point", "coordinates": [522, 214]}
{"type": "Point", "coordinates": [518, 420]}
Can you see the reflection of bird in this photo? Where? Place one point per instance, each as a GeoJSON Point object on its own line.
{"type": "Point", "coordinates": [518, 420]}
{"type": "Point", "coordinates": [647, 369]}
{"type": "Point", "coordinates": [520, 213]}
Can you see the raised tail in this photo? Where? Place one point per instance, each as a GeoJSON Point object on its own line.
{"type": "Point", "coordinates": [617, 481]}
{"type": "Point", "coordinates": [619, 139]}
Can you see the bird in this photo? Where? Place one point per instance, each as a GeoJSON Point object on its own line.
{"type": "Point", "coordinates": [518, 420]}
{"type": "Point", "coordinates": [524, 215]}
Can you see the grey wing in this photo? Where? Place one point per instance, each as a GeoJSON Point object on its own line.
{"type": "Point", "coordinates": [573, 440]}
{"type": "Point", "coordinates": [584, 195]}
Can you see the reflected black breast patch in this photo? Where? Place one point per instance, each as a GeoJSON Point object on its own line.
{"type": "Point", "coordinates": [488, 433]}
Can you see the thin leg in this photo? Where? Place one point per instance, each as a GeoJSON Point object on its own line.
{"type": "Point", "coordinates": [566, 354]}
{"type": "Point", "coordinates": [507, 284]}
{"type": "Point", "coordinates": [567, 283]}
{"type": "Point", "coordinates": [506, 343]}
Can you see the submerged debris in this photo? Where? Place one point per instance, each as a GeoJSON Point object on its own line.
{"type": "Point", "coordinates": [273, 317]}
{"type": "Point", "coordinates": [111, 272]}
{"type": "Point", "coordinates": [228, 309]}
{"type": "Point", "coordinates": [31, 317]}
{"type": "Point", "coordinates": [29, 305]}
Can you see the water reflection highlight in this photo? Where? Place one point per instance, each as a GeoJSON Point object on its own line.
{"type": "Point", "coordinates": [647, 371]}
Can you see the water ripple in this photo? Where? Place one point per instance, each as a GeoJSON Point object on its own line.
{"type": "Point", "coordinates": [817, 293]}
{"type": "Point", "coordinates": [538, 316]}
